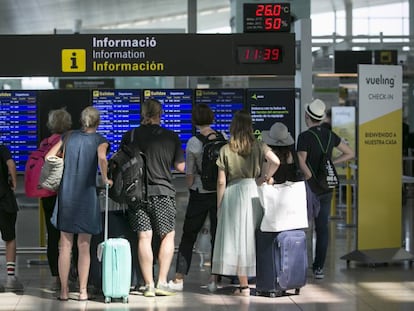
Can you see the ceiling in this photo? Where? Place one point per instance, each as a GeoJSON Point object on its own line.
{"type": "Point", "coordinates": [47, 16]}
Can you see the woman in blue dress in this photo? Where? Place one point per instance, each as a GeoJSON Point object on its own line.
{"type": "Point", "coordinates": [78, 206]}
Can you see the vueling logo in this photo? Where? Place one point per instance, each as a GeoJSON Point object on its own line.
{"type": "Point", "coordinates": [73, 60]}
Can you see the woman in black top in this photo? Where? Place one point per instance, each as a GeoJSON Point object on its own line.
{"type": "Point", "coordinates": [279, 139]}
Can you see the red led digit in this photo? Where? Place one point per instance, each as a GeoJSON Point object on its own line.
{"type": "Point", "coordinates": [277, 9]}
{"type": "Point", "coordinates": [256, 54]}
{"type": "Point", "coordinates": [247, 54]}
{"type": "Point", "coordinates": [267, 53]}
{"type": "Point", "coordinates": [260, 9]}
{"type": "Point", "coordinates": [275, 54]}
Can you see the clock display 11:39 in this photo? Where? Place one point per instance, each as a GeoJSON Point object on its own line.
{"type": "Point", "coordinates": [259, 54]}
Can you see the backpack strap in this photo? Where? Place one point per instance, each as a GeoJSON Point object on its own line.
{"type": "Point", "coordinates": [132, 136]}
{"type": "Point", "coordinates": [205, 139]}
{"type": "Point", "coordinates": [324, 151]}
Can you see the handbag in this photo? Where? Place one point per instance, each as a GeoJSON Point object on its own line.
{"type": "Point", "coordinates": [52, 172]}
{"type": "Point", "coordinates": [284, 206]}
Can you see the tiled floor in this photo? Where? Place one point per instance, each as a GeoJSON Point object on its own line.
{"type": "Point", "coordinates": [357, 287]}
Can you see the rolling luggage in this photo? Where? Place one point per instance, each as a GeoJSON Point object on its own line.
{"type": "Point", "coordinates": [116, 264]}
{"type": "Point", "coordinates": [281, 262]}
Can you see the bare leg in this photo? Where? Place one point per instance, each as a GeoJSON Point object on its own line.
{"type": "Point", "coordinates": [145, 256]}
{"type": "Point", "coordinates": [165, 256]}
{"type": "Point", "coordinates": [84, 261]}
{"type": "Point", "coordinates": [65, 249]}
{"type": "Point", "coordinates": [11, 251]}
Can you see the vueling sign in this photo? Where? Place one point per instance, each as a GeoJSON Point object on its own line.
{"type": "Point", "coordinates": [73, 60]}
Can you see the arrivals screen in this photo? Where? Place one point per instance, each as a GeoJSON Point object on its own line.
{"type": "Point", "coordinates": [268, 106]}
{"type": "Point", "coordinates": [177, 106]}
{"type": "Point", "coordinates": [18, 125]}
{"type": "Point", "coordinates": [224, 103]}
{"type": "Point", "coordinates": [120, 111]}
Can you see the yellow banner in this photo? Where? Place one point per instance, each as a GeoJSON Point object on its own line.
{"type": "Point", "coordinates": [379, 180]}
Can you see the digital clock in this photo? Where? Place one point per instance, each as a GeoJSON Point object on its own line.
{"type": "Point", "coordinates": [263, 54]}
{"type": "Point", "coordinates": [266, 17]}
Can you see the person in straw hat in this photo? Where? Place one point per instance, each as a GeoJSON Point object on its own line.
{"type": "Point", "coordinates": [309, 154]}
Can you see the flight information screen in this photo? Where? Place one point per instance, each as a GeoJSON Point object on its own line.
{"type": "Point", "coordinates": [18, 125]}
{"type": "Point", "coordinates": [268, 106]}
{"type": "Point", "coordinates": [177, 106]}
{"type": "Point", "coordinates": [224, 103]}
{"type": "Point", "coordinates": [120, 111]}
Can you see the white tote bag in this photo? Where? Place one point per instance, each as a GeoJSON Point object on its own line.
{"type": "Point", "coordinates": [284, 206]}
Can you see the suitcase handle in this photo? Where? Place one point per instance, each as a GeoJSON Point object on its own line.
{"type": "Point", "coordinates": [106, 211]}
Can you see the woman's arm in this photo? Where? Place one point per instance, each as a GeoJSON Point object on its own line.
{"type": "Point", "coordinates": [269, 168]}
{"type": "Point", "coordinates": [54, 150]}
{"type": "Point", "coordinates": [103, 163]}
{"type": "Point", "coordinates": [221, 186]}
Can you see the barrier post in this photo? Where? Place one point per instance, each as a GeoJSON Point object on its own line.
{"type": "Point", "coordinates": [348, 187]}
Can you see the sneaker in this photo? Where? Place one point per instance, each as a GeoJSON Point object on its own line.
{"type": "Point", "coordinates": [164, 290]}
{"type": "Point", "coordinates": [318, 273]}
{"type": "Point", "coordinates": [13, 284]}
{"type": "Point", "coordinates": [212, 287]}
{"type": "Point", "coordinates": [149, 291]}
{"type": "Point", "coordinates": [176, 285]}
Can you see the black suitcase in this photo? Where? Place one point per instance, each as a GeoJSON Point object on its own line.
{"type": "Point", "coordinates": [281, 262]}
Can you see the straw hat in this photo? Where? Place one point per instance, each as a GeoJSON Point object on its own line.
{"type": "Point", "coordinates": [316, 110]}
{"type": "Point", "coordinates": [278, 135]}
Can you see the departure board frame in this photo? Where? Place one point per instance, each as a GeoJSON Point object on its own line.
{"type": "Point", "coordinates": [224, 103]}
{"type": "Point", "coordinates": [268, 106]}
{"type": "Point", "coordinates": [120, 111]}
{"type": "Point", "coordinates": [18, 124]}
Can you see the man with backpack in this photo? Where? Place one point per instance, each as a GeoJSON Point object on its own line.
{"type": "Point", "coordinates": [8, 216]}
{"type": "Point", "coordinates": [312, 146]}
{"type": "Point", "coordinates": [201, 178]}
{"type": "Point", "coordinates": [162, 149]}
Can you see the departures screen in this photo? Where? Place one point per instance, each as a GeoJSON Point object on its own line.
{"type": "Point", "coordinates": [177, 107]}
{"type": "Point", "coordinates": [18, 124]}
{"type": "Point", "coordinates": [268, 106]}
{"type": "Point", "coordinates": [120, 111]}
{"type": "Point", "coordinates": [224, 103]}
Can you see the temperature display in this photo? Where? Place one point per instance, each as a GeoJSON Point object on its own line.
{"type": "Point", "coordinates": [266, 17]}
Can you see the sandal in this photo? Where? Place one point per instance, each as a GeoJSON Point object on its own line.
{"type": "Point", "coordinates": [243, 291]}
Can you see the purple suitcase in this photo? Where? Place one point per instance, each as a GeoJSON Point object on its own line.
{"type": "Point", "coordinates": [281, 262]}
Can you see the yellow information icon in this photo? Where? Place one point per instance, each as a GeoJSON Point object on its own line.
{"type": "Point", "coordinates": [73, 60]}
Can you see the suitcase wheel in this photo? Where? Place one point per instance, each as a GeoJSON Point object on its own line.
{"type": "Point", "coordinates": [297, 291]}
{"type": "Point", "coordinates": [107, 299]}
{"type": "Point", "coordinates": [125, 299]}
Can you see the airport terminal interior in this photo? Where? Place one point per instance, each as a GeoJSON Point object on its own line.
{"type": "Point", "coordinates": [356, 283]}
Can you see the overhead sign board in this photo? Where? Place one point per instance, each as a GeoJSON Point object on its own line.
{"type": "Point", "coordinates": [147, 54]}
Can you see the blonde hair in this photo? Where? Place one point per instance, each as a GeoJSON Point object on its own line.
{"type": "Point", "coordinates": [241, 133]}
{"type": "Point", "coordinates": [90, 117]}
{"type": "Point", "coordinates": [59, 121]}
{"type": "Point", "coordinates": [150, 108]}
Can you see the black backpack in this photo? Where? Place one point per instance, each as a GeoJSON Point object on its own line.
{"type": "Point", "coordinates": [128, 170]}
{"type": "Point", "coordinates": [325, 174]}
{"type": "Point", "coordinates": [211, 151]}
